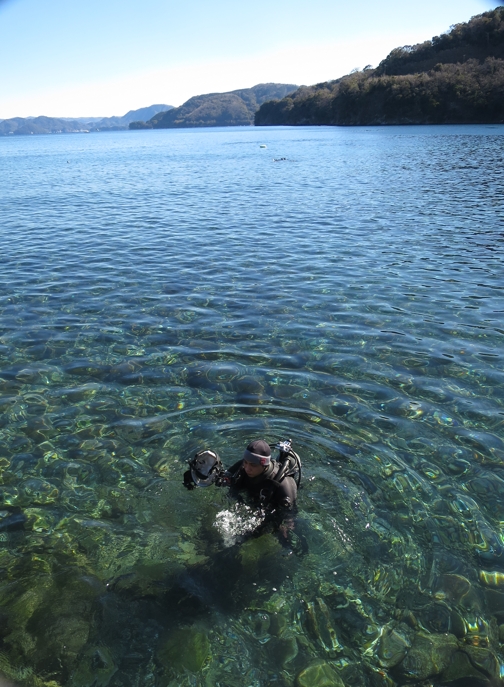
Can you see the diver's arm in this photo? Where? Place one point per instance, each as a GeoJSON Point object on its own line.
{"type": "Point", "coordinates": [234, 469]}
{"type": "Point", "coordinates": [232, 478]}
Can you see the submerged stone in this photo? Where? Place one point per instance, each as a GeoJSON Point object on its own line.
{"type": "Point", "coordinates": [458, 590]}
{"type": "Point", "coordinates": [283, 650]}
{"type": "Point", "coordinates": [185, 649]}
{"type": "Point", "coordinates": [394, 643]}
{"type": "Point", "coordinates": [483, 659]}
{"type": "Point", "coordinates": [463, 667]}
{"type": "Point", "coordinates": [64, 639]}
{"type": "Point", "coordinates": [95, 669]}
{"type": "Point", "coordinates": [495, 601]}
{"type": "Point", "coordinates": [439, 618]}
{"type": "Point", "coordinates": [279, 623]}
{"type": "Point", "coordinates": [255, 550]}
{"type": "Point", "coordinates": [428, 656]}
{"type": "Point", "coordinates": [319, 674]}
{"type": "Point", "coordinates": [318, 625]}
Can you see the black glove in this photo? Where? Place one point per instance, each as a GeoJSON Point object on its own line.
{"type": "Point", "coordinates": [188, 480]}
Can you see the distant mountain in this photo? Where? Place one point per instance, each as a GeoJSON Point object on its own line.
{"type": "Point", "coordinates": [234, 108]}
{"type": "Point", "coordinates": [143, 114]}
{"type": "Point", "coordinates": [20, 126]}
{"type": "Point", "coordinates": [454, 78]}
{"type": "Point", "coordinates": [83, 120]}
{"type": "Point", "coordinates": [40, 125]}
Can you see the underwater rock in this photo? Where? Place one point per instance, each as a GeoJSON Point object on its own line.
{"type": "Point", "coordinates": [188, 554]}
{"type": "Point", "coordinates": [38, 492]}
{"type": "Point", "coordinates": [438, 617]}
{"type": "Point", "coordinates": [86, 368]}
{"type": "Point", "coordinates": [125, 368]}
{"type": "Point", "coordinates": [283, 650]}
{"type": "Point", "coordinates": [23, 608]}
{"type": "Point", "coordinates": [185, 649]}
{"type": "Point", "coordinates": [129, 429]}
{"type": "Point", "coordinates": [279, 623]}
{"type": "Point", "coordinates": [484, 659]}
{"type": "Point", "coordinates": [12, 519]}
{"type": "Point", "coordinates": [161, 462]}
{"type": "Point", "coordinates": [63, 640]}
{"type": "Point", "coordinates": [283, 391]}
{"type": "Point", "coordinates": [457, 625]}
{"type": "Point", "coordinates": [21, 673]}
{"type": "Point", "coordinates": [39, 429]}
{"type": "Point", "coordinates": [471, 665]}
{"type": "Point", "coordinates": [248, 385]}
{"type": "Point", "coordinates": [249, 391]}
{"type": "Point", "coordinates": [223, 371]}
{"type": "Point", "coordinates": [319, 626]}
{"type": "Point", "coordinates": [95, 669]}
{"type": "Point", "coordinates": [319, 674]}
{"type": "Point", "coordinates": [495, 602]}
{"type": "Point", "coordinates": [395, 641]}
{"type": "Point", "coordinates": [458, 590]}
{"type": "Point", "coordinates": [253, 551]}
{"type": "Point", "coordinates": [428, 656]}
{"type": "Point", "coordinates": [459, 466]}
{"type": "Point", "coordinates": [260, 623]}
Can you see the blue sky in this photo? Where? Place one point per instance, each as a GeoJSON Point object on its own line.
{"type": "Point", "coordinates": [105, 57]}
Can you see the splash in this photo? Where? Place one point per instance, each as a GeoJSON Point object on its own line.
{"type": "Point", "coordinates": [233, 523]}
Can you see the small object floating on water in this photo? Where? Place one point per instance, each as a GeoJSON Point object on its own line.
{"type": "Point", "coordinates": [263, 145]}
{"type": "Point", "coordinates": [279, 159]}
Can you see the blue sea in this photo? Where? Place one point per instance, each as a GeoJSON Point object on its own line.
{"type": "Point", "coordinates": [162, 292]}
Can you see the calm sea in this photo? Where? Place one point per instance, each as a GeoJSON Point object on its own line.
{"type": "Point", "coordinates": [166, 291]}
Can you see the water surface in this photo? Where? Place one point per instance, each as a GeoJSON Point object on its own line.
{"type": "Point", "coordinates": [163, 291]}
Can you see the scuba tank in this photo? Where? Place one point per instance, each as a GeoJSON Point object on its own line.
{"type": "Point", "coordinates": [289, 461]}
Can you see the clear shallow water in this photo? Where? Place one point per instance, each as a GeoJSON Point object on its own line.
{"type": "Point", "coordinates": [165, 291]}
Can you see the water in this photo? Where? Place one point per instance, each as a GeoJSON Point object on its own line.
{"type": "Point", "coordinates": [164, 291]}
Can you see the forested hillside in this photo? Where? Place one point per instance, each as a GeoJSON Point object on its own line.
{"type": "Point", "coordinates": [454, 78]}
{"type": "Point", "coordinates": [40, 125]}
{"type": "Point", "coordinates": [235, 108]}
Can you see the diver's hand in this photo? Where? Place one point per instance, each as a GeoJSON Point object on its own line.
{"type": "Point", "coordinates": [188, 481]}
{"type": "Point", "coordinates": [223, 480]}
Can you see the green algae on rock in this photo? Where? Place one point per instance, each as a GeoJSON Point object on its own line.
{"type": "Point", "coordinates": [319, 674]}
{"type": "Point", "coordinates": [253, 551]}
{"type": "Point", "coordinates": [185, 649]}
{"type": "Point", "coordinates": [95, 669]}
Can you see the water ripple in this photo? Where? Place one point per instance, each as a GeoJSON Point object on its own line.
{"type": "Point", "coordinates": [174, 290]}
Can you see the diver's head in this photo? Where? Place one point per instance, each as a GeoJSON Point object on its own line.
{"type": "Point", "coordinates": [256, 458]}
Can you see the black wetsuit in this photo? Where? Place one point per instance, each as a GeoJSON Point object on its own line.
{"type": "Point", "coordinates": [264, 490]}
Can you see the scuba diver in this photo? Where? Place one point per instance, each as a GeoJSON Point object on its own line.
{"type": "Point", "coordinates": [267, 487]}
{"type": "Point", "coordinates": [258, 480]}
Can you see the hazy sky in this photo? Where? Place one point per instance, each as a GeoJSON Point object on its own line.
{"type": "Point", "coordinates": [105, 57]}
